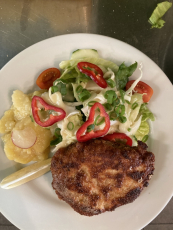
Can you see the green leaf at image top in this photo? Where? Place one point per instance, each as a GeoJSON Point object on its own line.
{"type": "Point", "coordinates": [156, 18]}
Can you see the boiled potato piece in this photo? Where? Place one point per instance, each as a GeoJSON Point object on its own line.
{"type": "Point", "coordinates": [21, 105]}
{"type": "Point", "coordinates": [7, 122]}
{"type": "Point", "coordinates": [39, 151]}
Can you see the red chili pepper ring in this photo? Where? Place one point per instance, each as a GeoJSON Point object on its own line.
{"type": "Point", "coordinates": [52, 119]}
{"type": "Point", "coordinates": [118, 136]}
{"type": "Point", "coordinates": [94, 72]}
{"type": "Point", "coordinates": [93, 134]}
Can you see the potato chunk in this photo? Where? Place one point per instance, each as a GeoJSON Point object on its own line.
{"type": "Point", "coordinates": [39, 151]}
{"type": "Point", "coordinates": [21, 104]}
{"type": "Point", "coordinates": [7, 122]}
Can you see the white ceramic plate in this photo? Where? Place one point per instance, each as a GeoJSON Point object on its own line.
{"type": "Point", "coordinates": [35, 205]}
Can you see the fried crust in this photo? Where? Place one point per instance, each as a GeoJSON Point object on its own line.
{"type": "Point", "coordinates": [98, 176]}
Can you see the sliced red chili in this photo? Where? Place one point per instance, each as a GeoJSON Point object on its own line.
{"type": "Point", "coordinates": [94, 72]}
{"type": "Point", "coordinates": [118, 136]}
{"type": "Point", "coordinates": [52, 119]}
{"type": "Point", "coordinates": [93, 134]}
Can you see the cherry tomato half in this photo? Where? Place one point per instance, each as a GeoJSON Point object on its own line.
{"type": "Point", "coordinates": [141, 88]}
{"type": "Point", "coordinates": [47, 77]}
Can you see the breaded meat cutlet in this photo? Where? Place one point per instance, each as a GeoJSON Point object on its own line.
{"type": "Point", "coordinates": [98, 176]}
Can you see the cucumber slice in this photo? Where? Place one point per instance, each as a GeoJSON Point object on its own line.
{"type": "Point", "coordinates": [84, 53]}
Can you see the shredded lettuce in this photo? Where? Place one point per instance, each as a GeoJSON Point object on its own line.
{"type": "Point", "coordinates": [56, 100]}
{"type": "Point", "coordinates": [156, 18]}
{"type": "Point", "coordinates": [92, 86]}
{"type": "Point", "coordinates": [123, 74]}
{"type": "Point", "coordinates": [76, 119]}
{"type": "Point", "coordinates": [66, 90]}
{"type": "Point", "coordinates": [133, 119]}
{"type": "Point", "coordinates": [94, 97]}
{"type": "Point", "coordinates": [136, 98]}
{"type": "Point", "coordinates": [130, 90]}
{"type": "Point", "coordinates": [146, 113]}
{"type": "Point", "coordinates": [114, 127]}
{"type": "Point", "coordinates": [134, 127]}
{"type": "Point", "coordinates": [69, 136]}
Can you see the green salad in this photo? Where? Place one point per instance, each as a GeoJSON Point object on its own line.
{"type": "Point", "coordinates": [98, 100]}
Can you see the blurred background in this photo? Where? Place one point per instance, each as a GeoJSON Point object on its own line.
{"type": "Point", "coordinates": [26, 22]}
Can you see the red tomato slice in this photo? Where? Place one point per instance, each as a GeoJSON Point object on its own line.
{"type": "Point", "coordinates": [47, 77]}
{"type": "Point", "coordinates": [141, 88]}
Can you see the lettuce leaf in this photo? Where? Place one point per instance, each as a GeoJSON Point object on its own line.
{"type": "Point", "coordinates": [144, 127]}
{"type": "Point", "coordinates": [97, 61]}
{"type": "Point", "coordinates": [123, 74]}
{"type": "Point", "coordinates": [81, 77]}
{"type": "Point", "coordinates": [130, 90]}
{"type": "Point", "coordinates": [68, 76]}
{"type": "Point", "coordinates": [146, 113]}
{"type": "Point", "coordinates": [71, 74]}
{"type": "Point", "coordinates": [156, 18]}
{"type": "Point", "coordinates": [143, 130]}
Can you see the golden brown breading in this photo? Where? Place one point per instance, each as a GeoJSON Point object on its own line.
{"type": "Point", "coordinates": [98, 175]}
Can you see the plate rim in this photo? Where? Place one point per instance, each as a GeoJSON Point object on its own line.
{"type": "Point", "coordinates": [94, 35]}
